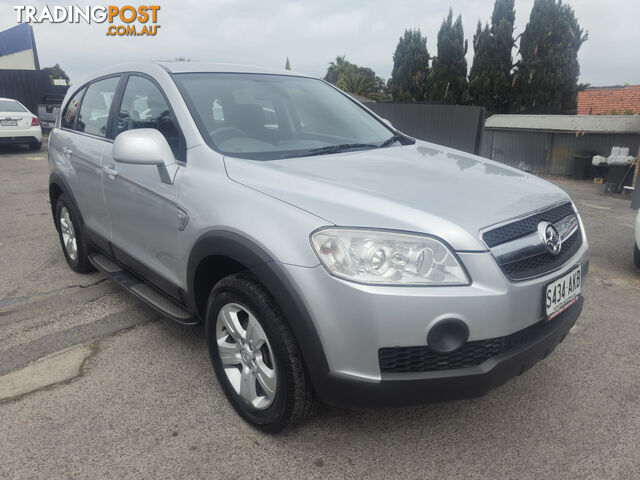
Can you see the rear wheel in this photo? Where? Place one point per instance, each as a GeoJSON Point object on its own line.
{"type": "Point", "coordinates": [636, 256]}
{"type": "Point", "coordinates": [255, 355]}
{"type": "Point", "coordinates": [74, 247]}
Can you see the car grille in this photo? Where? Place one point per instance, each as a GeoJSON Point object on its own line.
{"type": "Point", "coordinates": [520, 228]}
{"type": "Point", "coordinates": [542, 263]}
{"type": "Point", "coordinates": [546, 262]}
{"type": "Point", "coordinates": [422, 359]}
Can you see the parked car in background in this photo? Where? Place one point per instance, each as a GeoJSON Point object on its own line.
{"type": "Point", "coordinates": [328, 255]}
{"type": "Point", "coordinates": [636, 250]}
{"type": "Point", "coordinates": [49, 111]}
{"type": "Point", "coordinates": [18, 125]}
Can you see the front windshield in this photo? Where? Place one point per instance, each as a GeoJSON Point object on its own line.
{"type": "Point", "coordinates": [277, 116]}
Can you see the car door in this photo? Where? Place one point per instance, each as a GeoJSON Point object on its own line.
{"type": "Point", "coordinates": [143, 212]}
{"type": "Point", "coordinates": [82, 141]}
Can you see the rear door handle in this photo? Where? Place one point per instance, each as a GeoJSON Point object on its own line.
{"type": "Point", "coordinates": [110, 170]}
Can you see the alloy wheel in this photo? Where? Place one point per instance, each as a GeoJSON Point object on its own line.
{"type": "Point", "coordinates": [68, 234]}
{"type": "Point", "coordinates": [246, 355]}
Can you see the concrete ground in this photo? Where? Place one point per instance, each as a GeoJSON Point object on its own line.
{"type": "Point", "coordinates": [139, 399]}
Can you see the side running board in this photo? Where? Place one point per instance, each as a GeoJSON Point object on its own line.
{"type": "Point", "coordinates": [148, 294]}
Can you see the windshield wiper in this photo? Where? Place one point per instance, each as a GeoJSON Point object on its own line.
{"type": "Point", "coordinates": [344, 147]}
{"type": "Point", "coordinates": [396, 138]}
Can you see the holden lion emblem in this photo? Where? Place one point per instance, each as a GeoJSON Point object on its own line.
{"type": "Point", "coordinates": [550, 237]}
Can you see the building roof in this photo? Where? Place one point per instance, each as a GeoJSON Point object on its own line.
{"type": "Point", "coordinates": [567, 123]}
{"type": "Point", "coordinates": [15, 39]}
{"type": "Point", "coordinates": [605, 100]}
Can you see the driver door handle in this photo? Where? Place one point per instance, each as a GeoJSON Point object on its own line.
{"type": "Point", "coordinates": [110, 170]}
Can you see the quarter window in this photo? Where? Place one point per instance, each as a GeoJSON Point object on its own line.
{"type": "Point", "coordinates": [94, 110]}
{"type": "Point", "coordinates": [144, 106]}
{"type": "Point", "coordinates": [70, 113]}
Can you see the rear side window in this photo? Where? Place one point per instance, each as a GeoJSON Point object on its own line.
{"type": "Point", "coordinates": [71, 111]}
{"type": "Point", "coordinates": [144, 106]}
{"type": "Point", "coordinates": [94, 110]}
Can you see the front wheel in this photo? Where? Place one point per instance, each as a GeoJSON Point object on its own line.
{"type": "Point", "coordinates": [255, 355]}
{"type": "Point", "coordinates": [636, 256]}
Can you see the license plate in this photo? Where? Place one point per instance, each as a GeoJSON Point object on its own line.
{"type": "Point", "coordinates": [46, 124]}
{"type": "Point", "coordinates": [8, 123]}
{"type": "Point", "coordinates": [563, 292]}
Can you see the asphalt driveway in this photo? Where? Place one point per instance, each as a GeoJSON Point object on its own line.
{"type": "Point", "coordinates": [145, 403]}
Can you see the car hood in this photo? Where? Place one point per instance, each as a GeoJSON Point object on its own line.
{"type": "Point", "coordinates": [423, 188]}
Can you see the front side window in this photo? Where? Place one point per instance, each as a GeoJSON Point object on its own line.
{"type": "Point", "coordinates": [11, 106]}
{"type": "Point", "coordinates": [71, 111]}
{"type": "Point", "coordinates": [94, 110]}
{"type": "Point", "coordinates": [144, 106]}
{"type": "Point", "coordinates": [276, 116]}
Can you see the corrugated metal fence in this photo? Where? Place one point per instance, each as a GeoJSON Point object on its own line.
{"type": "Point", "coordinates": [550, 152]}
{"type": "Point", "coordinates": [450, 125]}
{"type": "Point", "coordinates": [29, 87]}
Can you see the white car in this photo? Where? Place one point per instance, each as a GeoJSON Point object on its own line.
{"type": "Point", "coordinates": [636, 250]}
{"type": "Point", "coordinates": [18, 125]}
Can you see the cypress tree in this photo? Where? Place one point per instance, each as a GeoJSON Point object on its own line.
{"type": "Point", "coordinates": [410, 68]}
{"type": "Point", "coordinates": [490, 76]}
{"type": "Point", "coordinates": [546, 77]}
{"type": "Point", "coordinates": [448, 76]}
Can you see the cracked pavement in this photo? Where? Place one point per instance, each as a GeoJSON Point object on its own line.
{"type": "Point", "coordinates": [146, 403]}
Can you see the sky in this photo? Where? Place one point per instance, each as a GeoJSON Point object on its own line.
{"type": "Point", "coordinates": [311, 33]}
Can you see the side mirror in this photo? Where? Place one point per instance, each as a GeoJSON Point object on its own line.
{"type": "Point", "coordinates": [145, 146]}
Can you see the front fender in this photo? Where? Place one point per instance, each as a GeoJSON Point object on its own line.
{"type": "Point", "coordinates": [276, 280]}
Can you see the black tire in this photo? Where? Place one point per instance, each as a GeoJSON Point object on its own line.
{"type": "Point", "coordinates": [35, 146]}
{"type": "Point", "coordinates": [81, 262]}
{"type": "Point", "coordinates": [293, 400]}
{"type": "Point", "coordinates": [636, 255]}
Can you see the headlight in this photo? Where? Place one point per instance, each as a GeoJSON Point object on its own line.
{"type": "Point", "coordinates": [383, 257]}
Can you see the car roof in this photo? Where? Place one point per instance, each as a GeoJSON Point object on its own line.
{"type": "Point", "coordinates": [10, 99]}
{"type": "Point", "coordinates": [193, 67]}
{"type": "Point", "coordinates": [155, 68]}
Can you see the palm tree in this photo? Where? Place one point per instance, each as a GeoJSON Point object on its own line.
{"type": "Point", "coordinates": [338, 67]}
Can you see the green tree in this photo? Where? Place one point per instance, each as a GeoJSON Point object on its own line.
{"type": "Point", "coordinates": [410, 68]}
{"type": "Point", "coordinates": [448, 76]}
{"type": "Point", "coordinates": [546, 76]}
{"type": "Point", "coordinates": [338, 67]}
{"type": "Point", "coordinates": [56, 72]}
{"type": "Point", "coordinates": [354, 79]}
{"type": "Point", "coordinates": [287, 65]}
{"type": "Point", "coordinates": [490, 75]}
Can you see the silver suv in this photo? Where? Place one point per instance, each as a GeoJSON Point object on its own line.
{"type": "Point", "coordinates": [328, 255]}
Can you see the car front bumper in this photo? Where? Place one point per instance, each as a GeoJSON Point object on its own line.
{"type": "Point", "coordinates": [398, 389]}
{"type": "Point", "coordinates": [354, 322]}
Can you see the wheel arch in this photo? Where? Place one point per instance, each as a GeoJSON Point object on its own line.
{"type": "Point", "coordinates": [225, 252]}
{"type": "Point", "coordinates": [58, 186]}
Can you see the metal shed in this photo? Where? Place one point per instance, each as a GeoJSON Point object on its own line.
{"type": "Point", "coordinates": [547, 143]}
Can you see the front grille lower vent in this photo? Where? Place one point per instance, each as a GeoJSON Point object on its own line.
{"type": "Point", "coordinates": [422, 359]}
